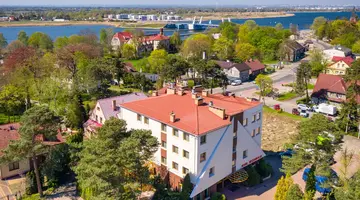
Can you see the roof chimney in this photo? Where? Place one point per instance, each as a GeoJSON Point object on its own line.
{"type": "Point", "coordinates": [172, 116]}
{"type": "Point", "coordinates": [161, 31]}
{"type": "Point", "coordinates": [170, 91]}
{"type": "Point", "coordinates": [114, 105]}
{"type": "Point", "coordinates": [217, 111]}
{"type": "Point", "coordinates": [205, 93]}
{"type": "Point", "coordinates": [180, 92]}
{"type": "Point", "coordinates": [155, 93]}
{"type": "Point", "coordinates": [199, 101]}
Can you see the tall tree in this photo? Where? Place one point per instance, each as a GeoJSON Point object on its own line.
{"type": "Point", "coordinates": [318, 62]}
{"type": "Point", "coordinates": [251, 24]}
{"type": "Point", "coordinates": [265, 84]}
{"type": "Point", "coordinates": [317, 23]}
{"type": "Point", "coordinates": [303, 76]}
{"type": "Point", "coordinates": [283, 187]}
{"type": "Point", "coordinates": [37, 122]}
{"type": "Point", "coordinates": [186, 189]}
{"type": "Point", "coordinates": [245, 51]}
{"type": "Point", "coordinates": [294, 193]}
{"type": "Point", "coordinates": [310, 182]}
{"type": "Point", "coordinates": [16, 44]}
{"type": "Point", "coordinates": [195, 45]}
{"type": "Point", "coordinates": [175, 41]}
{"type": "Point", "coordinates": [41, 41]}
{"type": "Point", "coordinates": [279, 26]}
{"type": "Point", "coordinates": [223, 48]}
{"type": "Point", "coordinates": [3, 42]}
{"type": "Point", "coordinates": [12, 100]}
{"type": "Point", "coordinates": [22, 37]}
{"type": "Point", "coordinates": [158, 60]}
{"type": "Point", "coordinates": [128, 51]}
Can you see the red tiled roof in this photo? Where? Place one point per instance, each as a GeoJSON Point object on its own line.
{"type": "Point", "coordinates": [123, 36]}
{"type": "Point", "coordinates": [331, 83]}
{"type": "Point", "coordinates": [348, 60]}
{"type": "Point", "coordinates": [255, 65]}
{"type": "Point", "coordinates": [191, 118]}
{"type": "Point", "coordinates": [9, 132]}
{"type": "Point", "coordinates": [159, 37]}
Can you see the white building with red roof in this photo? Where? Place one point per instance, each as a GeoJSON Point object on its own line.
{"type": "Point", "coordinates": [339, 65]}
{"type": "Point", "coordinates": [208, 136]}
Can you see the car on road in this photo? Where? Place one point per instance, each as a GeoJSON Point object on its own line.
{"type": "Point", "coordinates": [321, 181]}
{"type": "Point", "coordinates": [236, 82]}
{"type": "Point", "coordinates": [304, 113]}
{"type": "Point", "coordinates": [295, 111]}
{"type": "Point", "coordinates": [303, 107]}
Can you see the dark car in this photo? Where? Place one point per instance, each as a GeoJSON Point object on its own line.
{"type": "Point", "coordinates": [295, 111]}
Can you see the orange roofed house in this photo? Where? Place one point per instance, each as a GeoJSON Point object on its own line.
{"type": "Point", "coordinates": [8, 133]}
{"type": "Point", "coordinates": [208, 136]}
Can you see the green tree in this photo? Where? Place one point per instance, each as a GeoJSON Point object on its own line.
{"type": "Point", "coordinates": [310, 182]}
{"type": "Point", "coordinates": [317, 23]}
{"type": "Point", "coordinates": [318, 62]}
{"type": "Point", "coordinates": [3, 42]}
{"type": "Point", "coordinates": [16, 44]}
{"type": "Point", "coordinates": [265, 84]}
{"type": "Point", "coordinates": [11, 100]}
{"type": "Point", "coordinates": [175, 41]}
{"type": "Point", "coordinates": [294, 193]}
{"type": "Point", "coordinates": [195, 45]}
{"type": "Point", "coordinates": [356, 47]}
{"type": "Point", "coordinates": [228, 30]}
{"type": "Point", "coordinates": [128, 51]}
{"type": "Point", "coordinates": [41, 41]}
{"type": "Point", "coordinates": [303, 76]}
{"type": "Point", "coordinates": [22, 37]}
{"type": "Point", "coordinates": [279, 26]}
{"type": "Point", "coordinates": [175, 67]}
{"type": "Point", "coordinates": [186, 188]}
{"type": "Point", "coordinates": [223, 48]}
{"type": "Point", "coordinates": [157, 60]}
{"type": "Point", "coordinates": [61, 42]}
{"type": "Point", "coordinates": [36, 122]}
{"type": "Point", "coordinates": [251, 24]}
{"type": "Point", "coordinates": [218, 196]}
{"type": "Point", "coordinates": [283, 187]}
{"type": "Point", "coordinates": [350, 190]}
{"type": "Point", "coordinates": [245, 51]}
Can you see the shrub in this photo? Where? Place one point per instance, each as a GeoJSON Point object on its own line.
{"type": "Point", "coordinates": [310, 183]}
{"type": "Point", "coordinates": [218, 196]}
{"type": "Point", "coordinates": [31, 186]}
{"type": "Point", "coordinates": [263, 168]}
{"type": "Point", "coordinates": [254, 177]}
{"type": "Point", "coordinates": [294, 193]}
{"type": "Point", "coordinates": [191, 83]}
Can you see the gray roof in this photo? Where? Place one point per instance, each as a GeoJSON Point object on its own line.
{"type": "Point", "coordinates": [106, 104]}
{"type": "Point", "coordinates": [228, 65]}
{"type": "Point", "coordinates": [343, 49]}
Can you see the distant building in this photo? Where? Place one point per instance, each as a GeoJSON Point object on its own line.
{"type": "Point", "coordinates": [122, 16]}
{"type": "Point", "coordinates": [295, 51]}
{"type": "Point", "coordinates": [256, 67]}
{"type": "Point", "coordinates": [338, 51]}
{"type": "Point", "coordinates": [152, 17]}
{"type": "Point", "coordinates": [235, 70]}
{"type": "Point", "coordinates": [119, 39]}
{"type": "Point", "coordinates": [339, 65]}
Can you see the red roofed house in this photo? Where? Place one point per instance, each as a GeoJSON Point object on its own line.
{"type": "Point", "coordinates": [256, 67]}
{"type": "Point", "coordinates": [120, 38]}
{"type": "Point", "coordinates": [8, 133]}
{"type": "Point", "coordinates": [339, 65]}
{"type": "Point", "coordinates": [207, 136]}
{"type": "Point", "coordinates": [330, 88]}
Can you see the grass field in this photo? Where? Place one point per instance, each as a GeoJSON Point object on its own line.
{"type": "Point", "coordinates": [287, 96]}
{"type": "Point", "coordinates": [136, 63]}
{"type": "Point", "coordinates": [267, 109]}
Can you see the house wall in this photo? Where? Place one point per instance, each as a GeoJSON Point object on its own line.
{"type": "Point", "coordinates": [330, 53]}
{"type": "Point", "coordinates": [24, 166]}
{"type": "Point", "coordinates": [338, 68]}
{"type": "Point", "coordinates": [97, 111]}
{"type": "Point", "coordinates": [115, 43]}
{"type": "Point", "coordinates": [233, 72]}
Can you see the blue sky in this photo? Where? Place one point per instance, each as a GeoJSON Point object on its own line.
{"type": "Point", "coordinates": [172, 2]}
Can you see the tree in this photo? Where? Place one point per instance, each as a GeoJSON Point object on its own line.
{"type": "Point", "coordinates": [350, 190]}
{"type": "Point", "coordinates": [245, 51]}
{"type": "Point", "coordinates": [106, 37]}
{"type": "Point", "coordinates": [61, 42]}
{"type": "Point", "coordinates": [294, 29]}
{"type": "Point", "coordinates": [228, 30]}
{"type": "Point", "coordinates": [218, 196]}
{"type": "Point", "coordinates": [223, 48]}
{"type": "Point", "coordinates": [303, 76]}
{"type": "Point", "coordinates": [11, 100]}
{"type": "Point", "coordinates": [157, 60]}
{"type": "Point", "coordinates": [3, 42]}
{"type": "Point", "coordinates": [264, 83]}
{"type": "Point", "coordinates": [22, 37]}
{"type": "Point", "coordinates": [283, 187]}
{"type": "Point", "coordinates": [310, 182]}
{"type": "Point", "coordinates": [186, 188]}
{"type": "Point", "coordinates": [174, 68]}
{"type": "Point", "coordinates": [128, 51]}
{"type": "Point", "coordinates": [41, 41]}
{"type": "Point", "coordinates": [37, 122]}
{"type": "Point", "coordinates": [294, 193]}
{"type": "Point", "coordinates": [279, 26]}
{"type": "Point", "coordinates": [175, 41]}
{"type": "Point", "coordinates": [112, 164]}
{"type": "Point", "coordinates": [317, 23]}
{"type": "Point", "coordinates": [251, 24]}
{"type": "Point", "coordinates": [16, 44]}
{"type": "Point", "coordinates": [195, 45]}
{"type": "Point", "coordinates": [318, 62]}
{"type": "Point", "coordinates": [356, 47]}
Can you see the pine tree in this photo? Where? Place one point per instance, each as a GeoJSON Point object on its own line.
{"type": "Point", "coordinates": [186, 188]}
{"type": "Point", "coordinates": [294, 193]}
{"type": "Point", "coordinates": [283, 186]}
{"type": "Point", "coordinates": [303, 75]}
{"type": "Point", "coordinates": [310, 182]}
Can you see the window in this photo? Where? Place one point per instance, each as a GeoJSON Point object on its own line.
{"type": "Point", "coordinates": [185, 154]}
{"type": "Point", "coordinates": [163, 160]}
{"type": "Point", "coordinates": [235, 134]}
{"type": "Point", "coordinates": [254, 118]}
{"type": "Point", "coordinates": [245, 122]}
{"type": "Point", "coordinates": [253, 133]}
{"type": "Point", "coordinates": [186, 136]}
{"type": "Point", "coordinates": [100, 120]}
{"type": "Point", "coordinates": [98, 108]}
{"type": "Point", "coordinates": [207, 193]}
{"type": "Point", "coordinates": [203, 157]}
{"type": "Point", "coordinates": [258, 116]}
{"type": "Point", "coordinates": [175, 165]}
{"type": "Point", "coordinates": [146, 120]}
{"type": "Point", "coordinates": [163, 144]}
{"type": "Point", "coordinates": [96, 118]}
{"type": "Point", "coordinates": [163, 127]}
{"type": "Point", "coordinates": [245, 154]}
{"type": "Point", "coordinates": [185, 170]}
{"type": "Point", "coordinates": [14, 166]}
{"type": "Point", "coordinates": [258, 131]}
{"type": "Point", "coordinates": [175, 132]}
{"type": "Point", "coordinates": [203, 139]}
{"type": "Point", "coordinates": [175, 149]}
{"type": "Point", "coordinates": [138, 117]}
{"type": "Point", "coordinates": [212, 172]}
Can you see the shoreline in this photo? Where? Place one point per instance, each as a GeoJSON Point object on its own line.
{"type": "Point", "coordinates": [144, 25]}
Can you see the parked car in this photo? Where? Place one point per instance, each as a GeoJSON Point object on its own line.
{"type": "Point", "coordinates": [236, 82]}
{"type": "Point", "coordinates": [320, 180]}
{"type": "Point", "coordinates": [277, 107]}
{"type": "Point", "coordinates": [303, 107]}
{"type": "Point", "coordinates": [295, 111]}
{"type": "Point", "coordinates": [304, 113]}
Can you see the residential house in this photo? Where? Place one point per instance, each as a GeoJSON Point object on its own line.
{"type": "Point", "coordinates": [294, 51]}
{"type": "Point", "coordinates": [339, 65]}
{"type": "Point", "coordinates": [235, 70]}
{"type": "Point", "coordinates": [330, 88]}
{"type": "Point", "coordinates": [8, 133]}
{"type": "Point", "coordinates": [130, 69]}
{"type": "Point", "coordinates": [338, 51]}
{"type": "Point", "coordinates": [119, 39]}
{"type": "Point", "coordinates": [207, 136]}
{"type": "Point", "coordinates": [107, 108]}
{"type": "Point", "coordinates": [256, 67]}
{"type": "Point", "coordinates": [152, 17]}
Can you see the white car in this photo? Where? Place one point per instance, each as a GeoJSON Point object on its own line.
{"type": "Point", "coordinates": [303, 107]}
{"type": "Point", "coordinates": [236, 82]}
{"type": "Point", "coordinates": [304, 113]}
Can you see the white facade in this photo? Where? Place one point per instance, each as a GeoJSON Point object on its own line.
{"type": "Point", "coordinates": [97, 114]}
{"type": "Point", "coordinates": [218, 147]}
{"type": "Point", "coordinates": [330, 53]}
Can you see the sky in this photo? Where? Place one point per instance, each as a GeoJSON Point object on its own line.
{"type": "Point", "coordinates": [173, 2]}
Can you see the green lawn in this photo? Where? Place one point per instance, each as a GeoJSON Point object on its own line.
{"type": "Point", "coordinates": [287, 96]}
{"type": "Point", "coordinates": [267, 109]}
{"type": "Point", "coordinates": [135, 63]}
{"type": "Point", "coordinates": [310, 86]}
{"type": "Point", "coordinates": [270, 62]}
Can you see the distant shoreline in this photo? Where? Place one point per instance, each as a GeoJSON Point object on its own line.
{"type": "Point", "coordinates": [146, 24]}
